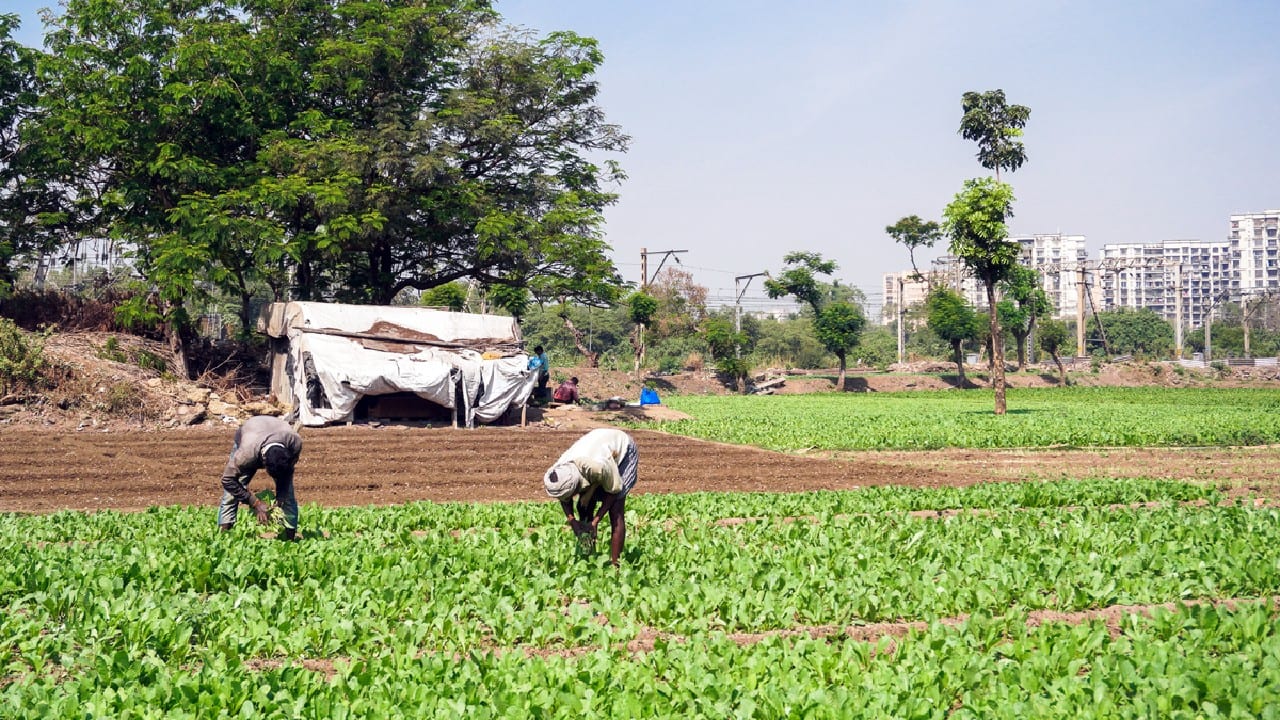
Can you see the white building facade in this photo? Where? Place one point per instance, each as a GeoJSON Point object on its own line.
{"type": "Point", "coordinates": [901, 291]}
{"type": "Point", "coordinates": [1155, 275]}
{"type": "Point", "coordinates": [1056, 257]}
{"type": "Point", "coordinates": [1253, 241]}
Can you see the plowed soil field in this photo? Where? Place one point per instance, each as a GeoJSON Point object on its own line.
{"type": "Point", "coordinates": [362, 465]}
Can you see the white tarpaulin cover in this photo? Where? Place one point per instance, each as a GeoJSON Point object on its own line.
{"type": "Point", "coordinates": [328, 356]}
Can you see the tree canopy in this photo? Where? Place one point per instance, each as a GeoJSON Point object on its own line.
{"type": "Point", "coordinates": [23, 194]}
{"type": "Point", "coordinates": [334, 149]}
{"type": "Point", "coordinates": [996, 126]}
{"type": "Point", "coordinates": [914, 233]}
{"type": "Point", "coordinates": [1136, 332]}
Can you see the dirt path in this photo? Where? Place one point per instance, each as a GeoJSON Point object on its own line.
{"type": "Point", "coordinates": [359, 465]}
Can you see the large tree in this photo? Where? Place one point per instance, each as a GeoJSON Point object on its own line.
{"type": "Point", "coordinates": [25, 198]}
{"type": "Point", "coordinates": [837, 320]}
{"type": "Point", "coordinates": [975, 220]}
{"type": "Point", "coordinates": [335, 149]}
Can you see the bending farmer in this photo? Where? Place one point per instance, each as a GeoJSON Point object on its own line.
{"type": "Point", "coordinates": [266, 442]}
{"type": "Point", "coordinates": [600, 468]}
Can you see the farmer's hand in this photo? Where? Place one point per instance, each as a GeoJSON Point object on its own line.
{"type": "Point", "coordinates": [577, 526]}
{"type": "Point", "coordinates": [262, 511]}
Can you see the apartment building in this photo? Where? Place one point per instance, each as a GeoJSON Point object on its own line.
{"type": "Point", "coordinates": [1150, 275]}
{"type": "Point", "coordinates": [901, 290]}
{"type": "Point", "coordinates": [1253, 241]}
{"type": "Point", "coordinates": [1056, 257]}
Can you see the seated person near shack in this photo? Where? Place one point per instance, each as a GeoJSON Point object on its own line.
{"type": "Point", "coordinates": [567, 392]}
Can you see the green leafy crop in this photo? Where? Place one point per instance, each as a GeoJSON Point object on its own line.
{"type": "Point", "coordinates": [451, 610]}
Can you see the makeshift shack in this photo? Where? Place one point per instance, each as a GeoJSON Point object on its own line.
{"type": "Point", "coordinates": [340, 363]}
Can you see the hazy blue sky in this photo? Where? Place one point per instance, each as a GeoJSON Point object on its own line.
{"type": "Point", "coordinates": [763, 127]}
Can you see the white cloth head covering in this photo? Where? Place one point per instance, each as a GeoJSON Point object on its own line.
{"type": "Point", "coordinates": [562, 480]}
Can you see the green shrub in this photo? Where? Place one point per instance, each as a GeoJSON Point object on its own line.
{"type": "Point", "coordinates": [21, 357]}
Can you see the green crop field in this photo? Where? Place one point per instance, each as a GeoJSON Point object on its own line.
{"type": "Point", "coordinates": [1075, 416]}
{"type": "Point", "coordinates": [726, 605]}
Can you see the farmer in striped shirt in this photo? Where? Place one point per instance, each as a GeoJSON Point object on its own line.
{"type": "Point", "coordinates": [262, 442]}
{"type": "Point", "coordinates": [600, 468]}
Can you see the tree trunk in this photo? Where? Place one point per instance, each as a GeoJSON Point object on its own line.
{"type": "Point", "coordinates": [592, 358]}
{"type": "Point", "coordinates": [637, 346]}
{"type": "Point", "coordinates": [1062, 372]}
{"type": "Point", "coordinates": [246, 328]}
{"type": "Point", "coordinates": [1022, 351]}
{"type": "Point", "coordinates": [177, 343]}
{"type": "Point", "coordinates": [997, 348]}
{"type": "Point", "coordinates": [1031, 335]}
{"type": "Point", "coordinates": [840, 380]}
{"type": "Point", "coordinates": [958, 355]}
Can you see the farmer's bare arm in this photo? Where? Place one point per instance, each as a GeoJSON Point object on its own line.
{"type": "Point", "coordinates": [567, 506]}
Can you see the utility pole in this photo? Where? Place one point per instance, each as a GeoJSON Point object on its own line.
{"type": "Point", "coordinates": [1208, 333]}
{"type": "Point", "coordinates": [1080, 270]}
{"type": "Point", "coordinates": [901, 312]}
{"type": "Point", "coordinates": [645, 279]}
{"type": "Point", "coordinates": [737, 305]}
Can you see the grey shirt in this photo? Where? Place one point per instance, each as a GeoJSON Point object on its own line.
{"type": "Point", "coordinates": [254, 436]}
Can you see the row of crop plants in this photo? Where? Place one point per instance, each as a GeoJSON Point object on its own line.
{"type": "Point", "coordinates": [485, 610]}
{"type": "Point", "coordinates": [1041, 417]}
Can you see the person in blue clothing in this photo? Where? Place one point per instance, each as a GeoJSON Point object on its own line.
{"type": "Point", "coordinates": [540, 363]}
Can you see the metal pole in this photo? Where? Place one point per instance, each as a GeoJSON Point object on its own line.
{"type": "Point", "coordinates": [901, 312]}
{"type": "Point", "coordinates": [737, 316]}
{"type": "Point", "coordinates": [1080, 311]}
{"type": "Point", "coordinates": [644, 263]}
{"type": "Point", "coordinates": [1208, 333]}
{"type": "Point", "coordinates": [737, 306]}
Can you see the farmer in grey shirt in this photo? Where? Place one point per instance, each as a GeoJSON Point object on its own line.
{"type": "Point", "coordinates": [261, 442]}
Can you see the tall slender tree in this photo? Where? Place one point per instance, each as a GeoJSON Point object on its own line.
{"type": "Point", "coordinates": [975, 219]}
